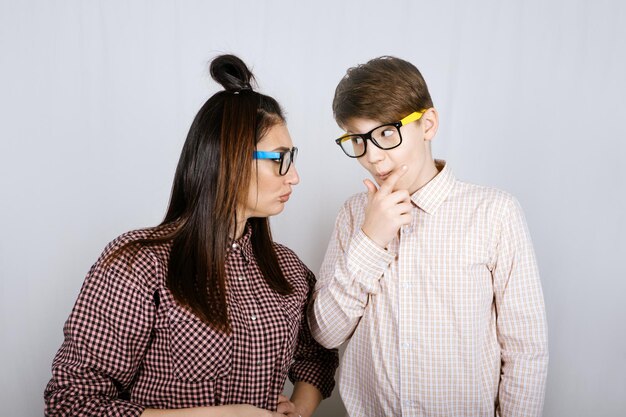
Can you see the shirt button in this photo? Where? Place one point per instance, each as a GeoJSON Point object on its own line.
{"type": "Point", "coordinates": [406, 345]}
{"type": "Point", "coordinates": [258, 363]}
{"type": "Point", "coordinates": [406, 285]}
{"type": "Point", "coordinates": [235, 246]}
{"type": "Point", "coordinates": [240, 278]}
{"type": "Point", "coordinates": [253, 317]}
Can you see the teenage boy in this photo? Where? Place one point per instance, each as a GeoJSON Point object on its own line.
{"type": "Point", "coordinates": [432, 281]}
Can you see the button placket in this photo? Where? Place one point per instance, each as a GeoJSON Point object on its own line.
{"type": "Point", "coordinates": [405, 285]}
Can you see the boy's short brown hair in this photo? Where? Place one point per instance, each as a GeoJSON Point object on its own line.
{"type": "Point", "coordinates": [385, 89]}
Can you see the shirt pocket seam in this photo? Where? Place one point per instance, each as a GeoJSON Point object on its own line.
{"type": "Point", "coordinates": [198, 352]}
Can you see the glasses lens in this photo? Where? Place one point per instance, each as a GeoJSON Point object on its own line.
{"type": "Point", "coordinates": [353, 145]}
{"type": "Point", "coordinates": [287, 159]}
{"type": "Point", "coordinates": [387, 137]}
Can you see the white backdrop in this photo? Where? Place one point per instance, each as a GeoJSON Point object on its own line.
{"type": "Point", "coordinates": [96, 99]}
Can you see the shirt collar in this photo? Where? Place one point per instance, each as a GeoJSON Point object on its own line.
{"type": "Point", "coordinates": [243, 245]}
{"type": "Point", "coordinates": [435, 192]}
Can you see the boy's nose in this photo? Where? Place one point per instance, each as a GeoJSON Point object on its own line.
{"type": "Point", "coordinates": [374, 154]}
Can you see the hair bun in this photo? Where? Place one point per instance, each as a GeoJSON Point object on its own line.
{"type": "Point", "coordinates": [232, 73]}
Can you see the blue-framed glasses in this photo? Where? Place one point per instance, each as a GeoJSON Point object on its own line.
{"type": "Point", "coordinates": [284, 158]}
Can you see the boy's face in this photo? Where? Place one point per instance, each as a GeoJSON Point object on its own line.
{"type": "Point", "coordinates": [414, 152]}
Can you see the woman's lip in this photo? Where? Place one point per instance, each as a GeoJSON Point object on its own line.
{"type": "Point", "coordinates": [284, 198]}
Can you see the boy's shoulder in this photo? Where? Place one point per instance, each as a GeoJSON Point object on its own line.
{"type": "Point", "coordinates": [473, 191]}
{"type": "Point", "coordinates": [481, 200]}
{"type": "Point", "coordinates": [356, 200]}
{"type": "Point", "coordinates": [354, 206]}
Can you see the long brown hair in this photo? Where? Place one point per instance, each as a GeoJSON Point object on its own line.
{"type": "Point", "coordinates": [211, 182]}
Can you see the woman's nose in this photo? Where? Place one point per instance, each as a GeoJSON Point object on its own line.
{"type": "Point", "coordinates": [292, 176]}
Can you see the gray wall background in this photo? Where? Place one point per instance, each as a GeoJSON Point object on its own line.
{"type": "Point", "coordinates": [96, 99]}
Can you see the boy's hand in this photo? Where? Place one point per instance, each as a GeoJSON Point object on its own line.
{"type": "Point", "coordinates": [386, 210]}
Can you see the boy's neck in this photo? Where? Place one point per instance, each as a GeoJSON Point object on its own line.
{"type": "Point", "coordinates": [428, 172]}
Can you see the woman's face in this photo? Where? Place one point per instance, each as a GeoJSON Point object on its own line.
{"type": "Point", "coordinates": [269, 191]}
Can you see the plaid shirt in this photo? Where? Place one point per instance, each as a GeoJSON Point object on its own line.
{"type": "Point", "coordinates": [449, 321]}
{"type": "Point", "coordinates": [129, 346]}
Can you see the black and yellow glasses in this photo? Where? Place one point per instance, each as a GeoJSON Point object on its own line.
{"type": "Point", "coordinates": [385, 137]}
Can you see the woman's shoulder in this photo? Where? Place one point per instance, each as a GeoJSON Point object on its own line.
{"type": "Point", "coordinates": [287, 255]}
{"type": "Point", "coordinates": [138, 235]}
{"type": "Point", "coordinates": [289, 260]}
{"type": "Point", "coordinates": [295, 270]}
{"type": "Point", "coordinates": [149, 241]}
{"type": "Point", "coordinates": [128, 257]}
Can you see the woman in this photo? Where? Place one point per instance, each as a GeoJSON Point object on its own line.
{"type": "Point", "coordinates": [202, 315]}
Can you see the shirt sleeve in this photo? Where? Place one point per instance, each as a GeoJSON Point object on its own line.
{"type": "Point", "coordinates": [106, 337]}
{"type": "Point", "coordinates": [521, 319]}
{"type": "Point", "coordinates": [312, 362]}
{"type": "Point", "coordinates": [351, 271]}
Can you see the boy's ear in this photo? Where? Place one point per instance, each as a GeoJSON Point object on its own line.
{"type": "Point", "coordinates": [430, 121]}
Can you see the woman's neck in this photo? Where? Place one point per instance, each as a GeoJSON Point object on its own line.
{"type": "Point", "coordinates": [241, 227]}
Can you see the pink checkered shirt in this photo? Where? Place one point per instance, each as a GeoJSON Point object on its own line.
{"type": "Point", "coordinates": [129, 346]}
{"type": "Point", "coordinates": [449, 320]}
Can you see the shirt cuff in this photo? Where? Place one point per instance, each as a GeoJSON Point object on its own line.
{"type": "Point", "coordinates": [320, 374]}
{"type": "Point", "coordinates": [367, 261]}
